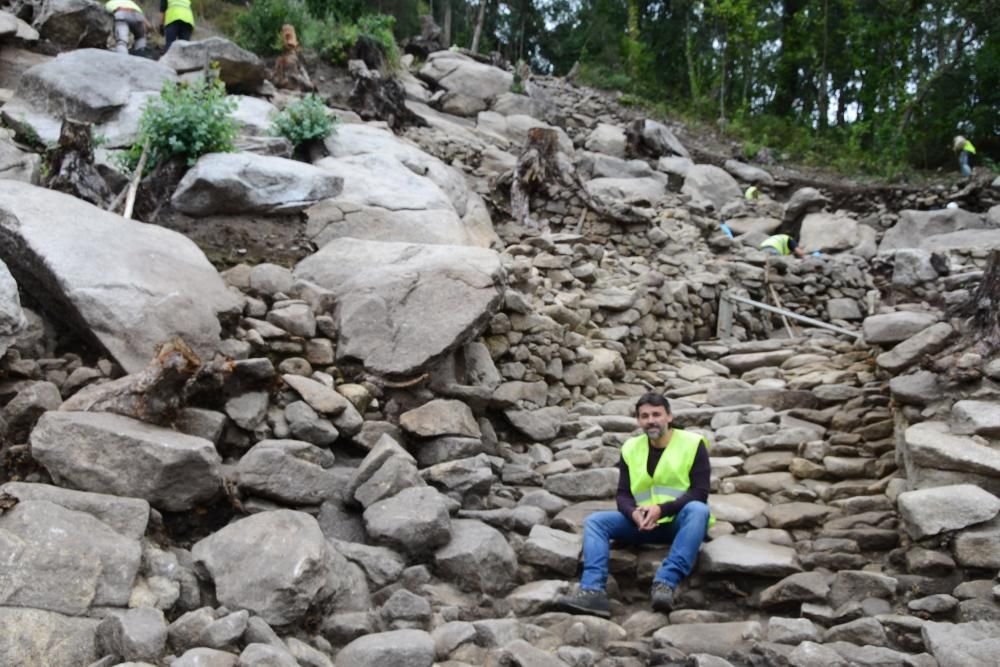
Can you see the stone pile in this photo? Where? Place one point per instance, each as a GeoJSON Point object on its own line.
{"type": "Point", "coordinates": [390, 459]}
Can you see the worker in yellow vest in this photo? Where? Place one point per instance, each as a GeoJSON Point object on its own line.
{"type": "Point", "coordinates": [129, 19]}
{"type": "Point", "coordinates": [964, 148]}
{"type": "Point", "coordinates": [663, 483]}
{"type": "Point", "coordinates": [177, 20]}
{"type": "Point", "coordinates": [781, 244]}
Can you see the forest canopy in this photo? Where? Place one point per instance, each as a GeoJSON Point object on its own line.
{"type": "Point", "coordinates": [892, 80]}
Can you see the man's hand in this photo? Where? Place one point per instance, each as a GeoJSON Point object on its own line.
{"type": "Point", "coordinates": [645, 517]}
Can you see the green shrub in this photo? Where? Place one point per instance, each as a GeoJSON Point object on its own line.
{"type": "Point", "coordinates": [187, 120]}
{"type": "Point", "coordinates": [303, 120]}
{"type": "Point", "coordinates": [259, 28]}
{"type": "Point", "coordinates": [378, 29]}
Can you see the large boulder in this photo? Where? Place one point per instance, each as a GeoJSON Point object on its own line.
{"type": "Point", "coordinates": [748, 173]}
{"type": "Point", "coordinates": [12, 320]}
{"type": "Point", "coordinates": [660, 140]}
{"type": "Point", "coordinates": [68, 87]}
{"type": "Point", "coordinates": [74, 24]}
{"type": "Point", "coordinates": [241, 70]}
{"type": "Point", "coordinates": [707, 184]}
{"type": "Point", "coordinates": [15, 164]}
{"type": "Point", "coordinates": [477, 558]}
{"type": "Point", "coordinates": [915, 228]}
{"type": "Point", "coordinates": [934, 457]}
{"type": "Point", "coordinates": [401, 306]}
{"type": "Point", "coordinates": [64, 560]}
{"type": "Point", "coordinates": [896, 327]}
{"type": "Point", "coordinates": [288, 471]}
{"type": "Point", "coordinates": [607, 139]}
{"type": "Point", "coordinates": [829, 232]}
{"type": "Point", "coordinates": [515, 129]}
{"type": "Point", "coordinates": [273, 564]}
{"type": "Point", "coordinates": [37, 637]}
{"type": "Point", "coordinates": [232, 183]}
{"type": "Point", "coordinates": [927, 512]}
{"type": "Point", "coordinates": [649, 189]}
{"type": "Point", "coordinates": [126, 285]}
{"type": "Point", "coordinates": [104, 452]}
{"type": "Point", "coordinates": [458, 73]}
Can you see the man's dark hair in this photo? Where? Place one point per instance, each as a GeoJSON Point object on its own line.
{"type": "Point", "coordinates": [652, 398]}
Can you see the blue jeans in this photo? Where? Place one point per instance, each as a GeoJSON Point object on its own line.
{"type": "Point", "coordinates": [963, 163]}
{"type": "Point", "coordinates": [685, 535]}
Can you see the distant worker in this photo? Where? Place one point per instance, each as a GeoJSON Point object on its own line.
{"type": "Point", "coordinates": [781, 244]}
{"type": "Point", "coordinates": [176, 21]}
{"type": "Point", "coordinates": [964, 148]}
{"type": "Point", "coordinates": [752, 193]}
{"type": "Point", "coordinates": [128, 19]}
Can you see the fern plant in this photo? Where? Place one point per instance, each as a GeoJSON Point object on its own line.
{"type": "Point", "coordinates": [303, 121]}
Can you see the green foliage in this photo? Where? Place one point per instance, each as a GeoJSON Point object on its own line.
{"type": "Point", "coordinates": [188, 120]}
{"type": "Point", "coordinates": [336, 40]}
{"type": "Point", "coordinates": [259, 28]}
{"type": "Point", "coordinates": [303, 120]}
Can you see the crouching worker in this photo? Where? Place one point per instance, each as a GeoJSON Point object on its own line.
{"type": "Point", "coordinates": [662, 498]}
{"type": "Point", "coordinates": [128, 19]}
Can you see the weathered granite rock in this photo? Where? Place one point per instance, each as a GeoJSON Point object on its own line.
{"type": "Point", "coordinates": [912, 267]}
{"type": "Point", "coordinates": [239, 69]}
{"type": "Point", "coordinates": [401, 306]}
{"type": "Point", "coordinates": [896, 327]}
{"type": "Point", "coordinates": [231, 183]}
{"type": "Point", "coordinates": [37, 637]}
{"type": "Point", "coordinates": [397, 648]}
{"type": "Point", "coordinates": [907, 353]}
{"type": "Point", "coordinates": [128, 286]}
{"type": "Point", "coordinates": [272, 563]}
{"type": "Point", "coordinates": [100, 451]}
{"type": "Point", "coordinates": [716, 639]}
{"type": "Point", "coordinates": [829, 232]}
{"type": "Point", "coordinates": [972, 644]}
{"type": "Point", "coordinates": [932, 456]}
{"type": "Point", "coordinates": [415, 520]}
{"type": "Point", "coordinates": [477, 558]}
{"type": "Point", "coordinates": [288, 471]}
{"type": "Point", "coordinates": [748, 173]}
{"type": "Point", "coordinates": [916, 229]}
{"type": "Point", "coordinates": [74, 24]}
{"type": "Point", "coordinates": [927, 512]}
{"type": "Point", "coordinates": [979, 546]}
{"type": "Point", "coordinates": [710, 185]}
{"type": "Point", "coordinates": [135, 635]}
{"type": "Point", "coordinates": [127, 516]}
{"type": "Point", "coordinates": [440, 417]}
{"type": "Point", "coordinates": [976, 417]}
{"type": "Point", "coordinates": [731, 553]}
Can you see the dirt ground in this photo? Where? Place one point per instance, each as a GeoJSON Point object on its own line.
{"type": "Point", "coordinates": [228, 240]}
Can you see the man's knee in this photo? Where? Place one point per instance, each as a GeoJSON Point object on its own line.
{"type": "Point", "coordinates": [697, 510]}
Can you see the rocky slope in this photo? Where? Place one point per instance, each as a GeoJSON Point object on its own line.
{"type": "Point", "coordinates": [382, 453]}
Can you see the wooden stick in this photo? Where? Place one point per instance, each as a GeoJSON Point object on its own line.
{"type": "Point", "coordinates": [777, 302]}
{"type": "Point", "coordinates": [133, 187]}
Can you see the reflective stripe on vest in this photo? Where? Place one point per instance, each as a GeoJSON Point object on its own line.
{"type": "Point", "coordinates": [671, 479]}
{"type": "Point", "coordinates": [178, 10]}
{"type": "Point", "coordinates": [969, 147]}
{"type": "Point", "coordinates": [779, 242]}
{"type": "Point", "coordinates": [114, 5]}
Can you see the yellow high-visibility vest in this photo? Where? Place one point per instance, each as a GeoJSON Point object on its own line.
{"type": "Point", "coordinates": [114, 5]}
{"type": "Point", "coordinates": [179, 10]}
{"type": "Point", "coordinates": [779, 242]}
{"type": "Point", "coordinates": [967, 146]}
{"type": "Point", "coordinates": [672, 476]}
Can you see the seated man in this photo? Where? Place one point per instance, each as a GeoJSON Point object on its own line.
{"type": "Point", "coordinates": [662, 498]}
{"type": "Point", "coordinates": [781, 244]}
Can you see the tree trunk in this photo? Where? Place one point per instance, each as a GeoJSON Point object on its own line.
{"type": "Point", "coordinates": [71, 165]}
{"type": "Point", "coordinates": [446, 31]}
{"type": "Point", "coordinates": [479, 27]}
{"type": "Point", "coordinates": [376, 98]}
{"type": "Point", "coordinates": [535, 167]}
{"type": "Point", "coordinates": [986, 305]}
{"type": "Point", "coordinates": [722, 82]}
{"type": "Point", "coordinates": [693, 81]}
{"type": "Point", "coordinates": [824, 94]}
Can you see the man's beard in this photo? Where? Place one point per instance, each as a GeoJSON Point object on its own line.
{"type": "Point", "coordinates": [653, 432]}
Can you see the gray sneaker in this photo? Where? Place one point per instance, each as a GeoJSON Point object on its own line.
{"type": "Point", "coordinates": [584, 601]}
{"type": "Point", "coordinates": [662, 596]}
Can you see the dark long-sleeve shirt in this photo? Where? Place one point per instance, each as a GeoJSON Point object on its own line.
{"type": "Point", "coordinates": [700, 476]}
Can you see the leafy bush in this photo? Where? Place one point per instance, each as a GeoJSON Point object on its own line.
{"type": "Point", "coordinates": [259, 28]}
{"type": "Point", "coordinates": [336, 40]}
{"type": "Point", "coordinates": [187, 120]}
{"type": "Point", "coordinates": [303, 120]}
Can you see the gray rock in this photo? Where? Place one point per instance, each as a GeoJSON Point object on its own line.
{"type": "Point", "coordinates": [802, 201]}
{"type": "Point", "coordinates": [239, 69]}
{"type": "Point", "coordinates": [415, 521]}
{"type": "Point", "coordinates": [127, 516]}
{"type": "Point", "coordinates": [287, 471]}
{"type": "Point", "coordinates": [73, 24]}
{"type": "Point", "coordinates": [224, 632]}
{"type": "Point", "coordinates": [18, 165]}
{"type": "Point", "coordinates": [896, 327]}
{"type": "Point", "coordinates": [539, 425]}
{"type": "Point", "coordinates": [748, 173]}
{"type": "Point", "coordinates": [477, 558]}
{"type": "Point", "coordinates": [320, 397]}
{"type": "Point", "coordinates": [132, 286]}
{"type": "Point", "coordinates": [205, 657]}
{"type": "Point", "coordinates": [393, 476]}
{"type": "Point", "coordinates": [844, 309]}
{"type": "Point", "coordinates": [473, 475]}
{"type": "Point", "coordinates": [972, 644]}
{"type": "Point", "coordinates": [811, 654]}
{"type": "Point", "coordinates": [24, 410]}
{"type": "Point", "coordinates": [231, 183]}
{"type": "Point", "coordinates": [912, 267]}
{"type": "Point", "coordinates": [440, 417]}
{"type": "Point", "coordinates": [862, 631]}
{"type": "Point", "coordinates": [731, 553]}
{"type": "Point", "coordinates": [791, 630]}
{"type": "Point", "coordinates": [294, 317]}
{"type": "Point", "coordinates": [927, 512]}
{"type": "Point", "coordinates": [647, 190]}
{"type": "Point", "coordinates": [717, 639]}
{"type": "Point", "coordinates": [305, 424]}
{"type": "Point", "coordinates": [381, 565]}
{"type": "Point", "coordinates": [274, 564]}
{"type": "Point", "coordinates": [660, 140]}
{"type": "Point", "coordinates": [915, 227]}
{"type": "Point", "coordinates": [398, 648]}
{"type": "Point", "coordinates": [385, 448]}
{"type": "Point", "coordinates": [64, 560]}
{"type": "Point", "coordinates": [829, 232]}
{"type": "Point", "coordinates": [269, 279]}
{"type": "Point", "coordinates": [907, 353]}
{"type": "Point", "coordinates": [36, 637]}
{"type": "Point", "coordinates": [919, 388]}
{"type": "Point", "coordinates": [736, 507]}
{"type": "Point", "coordinates": [555, 550]}
{"type": "Point", "coordinates": [606, 139]}
{"type": "Point", "coordinates": [66, 88]}
{"type": "Point", "coordinates": [979, 546]}
{"type": "Point", "coordinates": [447, 448]}
{"type": "Point", "coordinates": [798, 587]}
{"type": "Point", "coordinates": [857, 585]}
{"type": "Point", "coordinates": [400, 306]}
{"type": "Point", "coordinates": [265, 655]}
{"type": "Point", "coordinates": [710, 185]}
{"type": "Point", "coordinates": [976, 417]}
{"type": "Point", "coordinates": [134, 635]}
{"type": "Point", "coordinates": [248, 410]}
{"type": "Point", "coordinates": [797, 515]}
{"type": "Point", "coordinates": [107, 452]}
{"type": "Point", "coordinates": [459, 73]}
{"type": "Point", "coordinates": [584, 484]}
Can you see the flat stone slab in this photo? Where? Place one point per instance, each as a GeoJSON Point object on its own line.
{"type": "Point", "coordinates": [731, 553]}
{"type": "Point", "coordinates": [975, 644]}
{"type": "Point", "coordinates": [913, 348]}
{"type": "Point", "coordinates": [976, 417]}
{"type": "Point", "coordinates": [38, 637]}
{"type": "Point", "coordinates": [718, 639]}
{"type": "Point", "coordinates": [934, 457]}
{"type": "Point", "coordinates": [927, 512]}
{"type": "Point", "coordinates": [127, 285]}
{"type": "Point", "coordinates": [895, 327]}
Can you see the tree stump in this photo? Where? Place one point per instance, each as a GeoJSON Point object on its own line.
{"type": "Point", "coordinates": [535, 167]}
{"type": "Point", "coordinates": [376, 98]}
{"type": "Point", "coordinates": [71, 165]}
{"type": "Point", "coordinates": [985, 305]}
{"type": "Point", "coordinates": [288, 71]}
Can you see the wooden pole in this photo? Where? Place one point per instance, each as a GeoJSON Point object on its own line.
{"type": "Point", "coordinates": [133, 187]}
